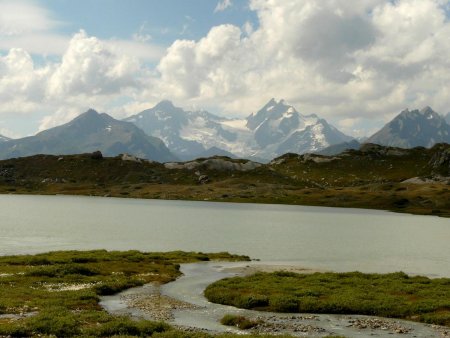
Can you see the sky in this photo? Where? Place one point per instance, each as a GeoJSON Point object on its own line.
{"type": "Point", "coordinates": [356, 63]}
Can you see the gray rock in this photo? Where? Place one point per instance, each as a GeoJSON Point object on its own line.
{"type": "Point", "coordinates": [203, 179]}
{"type": "Point", "coordinates": [97, 155]}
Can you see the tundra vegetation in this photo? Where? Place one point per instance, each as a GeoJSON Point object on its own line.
{"type": "Point", "coordinates": [57, 293]}
{"type": "Point", "coordinates": [375, 177]}
{"type": "Point", "coordinates": [395, 295]}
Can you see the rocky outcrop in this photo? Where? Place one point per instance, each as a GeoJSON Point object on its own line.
{"type": "Point", "coordinates": [219, 164]}
{"type": "Point", "coordinates": [440, 162]}
{"type": "Point", "coordinates": [97, 155]}
{"type": "Point", "coordinates": [131, 158]}
{"type": "Point", "coordinates": [382, 150]}
{"type": "Point", "coordinates": [304, 158]}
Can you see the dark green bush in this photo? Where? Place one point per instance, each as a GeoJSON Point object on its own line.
{"type": "Point", "coordinates": [126, 326]}
{"type": "Point", "coordinates": [389, 295]}
{"type": "Point", "coordinates": [240, 322]}
{"type": "Point", "coordinates": [58, 322]}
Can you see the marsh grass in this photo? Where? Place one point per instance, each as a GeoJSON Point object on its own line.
{"type": "Point", "coordinates": [394, 295]}
{"type": "Point", "coordinates": [62, 290]}
{"type": "Point", "coordinates": [240, 322]}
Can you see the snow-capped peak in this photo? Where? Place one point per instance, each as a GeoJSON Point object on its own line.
{"type": "Point", "coordinates": [273, 130]}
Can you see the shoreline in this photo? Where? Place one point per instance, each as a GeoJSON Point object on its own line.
{"type": "Point", "coordinates": [251, 202]}
{"type": "Point", "coordinates": [187, 309]}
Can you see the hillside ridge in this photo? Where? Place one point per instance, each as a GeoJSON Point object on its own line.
{"type": "Point", "coordinates": [375, 177]}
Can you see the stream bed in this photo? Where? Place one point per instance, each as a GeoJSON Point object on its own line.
{"type": "Point", "coordinates": [182, 304]}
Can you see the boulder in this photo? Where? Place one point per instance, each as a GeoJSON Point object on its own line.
{"type": "Point", "coordinates": [97, 155]}
{"type": "Point", "coordinates": [203, 179]}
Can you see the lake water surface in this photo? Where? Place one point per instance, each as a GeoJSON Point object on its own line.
{"type": "Point", "coordinates": [325, 238]}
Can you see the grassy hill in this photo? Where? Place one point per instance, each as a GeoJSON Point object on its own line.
{"type": "Point", "coordinates": [372, 177]}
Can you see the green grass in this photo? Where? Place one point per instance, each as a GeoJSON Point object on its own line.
{"type": "Point", "coordinates": [41, 284]}
{"type": "Point", "coordinates": [389, 295]}
{"type": "Point", "coordinates": [240, 322]}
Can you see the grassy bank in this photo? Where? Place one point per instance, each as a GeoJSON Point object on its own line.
{"type": "Point", "coordinates": [58, 293]}
{"type": "Point", "coordinates": [372, 179]}
{"type": "Point", "coordinates": [388, 295]}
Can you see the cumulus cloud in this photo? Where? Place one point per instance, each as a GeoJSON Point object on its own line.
{"type": "Point", "coordinates": [20, 83]}
{"type": "Point", "coordinates": [91, 73]}
{"type": "Point", "coordinates": [339, 58]}
{"type": "Point", "coordinates": [90, 67]}
{"type": "Point", "coordinates": [355, 61]}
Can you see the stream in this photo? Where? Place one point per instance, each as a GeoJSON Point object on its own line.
{"type": "Point", "coordinates": [182, 304]}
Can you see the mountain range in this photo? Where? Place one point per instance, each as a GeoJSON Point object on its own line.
{"type": "Point", "coordinates": [89, 132]}
{"type": "Point", "coordinates": [409, 129]}
{"type": "Point", "coordinates": [275, 129]}
{"type": "Point", "coordinates": [168, 133]}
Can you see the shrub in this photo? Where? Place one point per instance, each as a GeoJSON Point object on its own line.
{"type": "Point", "coordinates": [58, 322]}
{"type": "Point", "coordinates": [240, 322]}
{"type": "Point", "coordinates": [126, 326]}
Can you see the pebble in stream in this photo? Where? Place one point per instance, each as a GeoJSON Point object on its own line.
{"type": "Point", "coordinates": [157, 306]}
{"type": "Point", "coordinates": [377, 324]}
{"type": "Point", "coordinates": [275, 324]}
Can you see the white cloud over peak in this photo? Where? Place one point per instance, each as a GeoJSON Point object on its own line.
{"type": "Point", "coordinates": [90, 67]}
{"type": "Point", "coordinates": [343, 59]}
{"type": "Point", "coordinates": [91, 73]}
{"type": "Point", "coordinates": [346, 60]}
{"type": "Point", "coordinates": [20, 83]}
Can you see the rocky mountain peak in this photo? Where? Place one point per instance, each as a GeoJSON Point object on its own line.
{"type": "Point", "coordinates": [413, 128]}
{"type": "Point", "coordinates": [427, 110]}
{"type": "Point", "coordinates": [90, 112]}
{"type": "Point", "coordinates": [272, 110]}
{"type": "Point", "coordinates": [274, 129]}
{"type": "Point", "coordinates": [165, 105]}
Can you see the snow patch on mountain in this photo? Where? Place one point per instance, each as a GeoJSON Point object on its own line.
{"type": "Point", "coordinates": [275, 129]}
{"type": "Point", "coordinates": [4, 138]}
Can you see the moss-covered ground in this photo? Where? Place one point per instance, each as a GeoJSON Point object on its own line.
{"type": "Point", "coordinates": [394, 295]}
{"type": "Point", "coordinates": [60, 291]}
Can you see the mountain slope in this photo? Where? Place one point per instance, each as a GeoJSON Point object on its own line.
{"type": "Point", "coordinates": [4, 138]}
{"type": "Point", "coordinates": [339, 148]}
{"type": "Point", "coordinates": [275, 129]}
{"type": "Point", "coordinates": [412, 129]}
{"type": "Point", "coordinates": [447, 118]}
{"type": "Point", "coordinates": [214, 151]}
{"type": "Point", "coordinates": [187, 134]}
{"type": "Point", "coordinates": [279, 128]}
{"type": "Point", "coordinates": [408, 180]}
{"type": "Point", "coordinates": [89, 132]}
